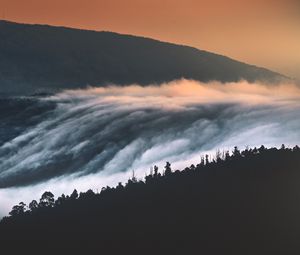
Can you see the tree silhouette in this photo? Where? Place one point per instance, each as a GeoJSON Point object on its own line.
{"type": "Point", "coordinates": [168, 169]}
{"type": "Point", "coordinates": [261, 149]}
{"type": "Point", "coordinates": [18, 209]}
{"type": "Point", "coordinates": [155, 171]}
{"type": "Point", "coordinates": [206, 159]}
{"type": "Point", "coordinates": [236, 152]}
{"type": "Point", "coordinates": [47, 200]}
{"type": "Point", "coordinates": [74, 194]}
{"type": "Point", "coordinates": [33, 205]}
{"type": "Point", "coordinates": [209, 202]}
{"type": "Point", "coordinates": [60, 200]}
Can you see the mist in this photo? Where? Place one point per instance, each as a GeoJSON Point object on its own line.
{"type": "Point", "coordinates": [96, 137]}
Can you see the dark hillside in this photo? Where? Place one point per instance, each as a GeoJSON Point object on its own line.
{"type": "Point", "coordinates": [40, 58]}
{"type": "Point", "coordinates": [246, 203]}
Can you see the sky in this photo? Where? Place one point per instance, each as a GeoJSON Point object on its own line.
{"type": "Point", "coordinates": [265, 33]}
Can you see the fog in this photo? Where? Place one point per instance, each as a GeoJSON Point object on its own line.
{"type": "Point", "coordinates": [96, 137]}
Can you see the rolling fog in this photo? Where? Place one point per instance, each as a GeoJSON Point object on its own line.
{"type": "Point", "coordinates": [95, 137]}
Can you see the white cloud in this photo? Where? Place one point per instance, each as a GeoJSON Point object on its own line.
{"type": "Point", "coordinates": [95, 137]}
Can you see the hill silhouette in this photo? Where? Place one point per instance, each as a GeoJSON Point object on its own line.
{"type": "Point", "coordinates": [42, 59]}
{"type": "Point", "coordinates": [244, 202]}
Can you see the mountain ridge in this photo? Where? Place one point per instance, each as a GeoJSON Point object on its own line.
{"type": "Point", "coordinates": [42, 57]}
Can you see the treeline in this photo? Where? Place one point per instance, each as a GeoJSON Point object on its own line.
{"type": "Point", "coordinates": [245, 202]}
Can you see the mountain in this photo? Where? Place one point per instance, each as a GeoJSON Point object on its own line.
{"type": "Point", "coordinates": [244, 203]}
{"type": "Point", "coordinates": [42, 58]}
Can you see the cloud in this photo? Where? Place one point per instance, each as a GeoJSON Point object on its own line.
{"type": "Point", "coordinates": [89, 138]}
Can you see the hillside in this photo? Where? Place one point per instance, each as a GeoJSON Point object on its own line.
{"type": "Point", "coordinates": [40, 58]}
{"type": "Point", "coordinates": [246, 202]}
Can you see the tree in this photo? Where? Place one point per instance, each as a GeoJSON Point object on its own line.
{"type": "Point", "coordinates": [236, 152]}
{"type": "Point", "coordinates": [120, 186]}
{"type": "Point", "coordinates": [192, 167]}
{"type": "Point", "coordinates": [262, 149]}
{"type": "Point", "coordinates": [218, 156]}
{"type": "Point", "coordinates": [33, 205]}
{"type": "Point", "coordinates": [47, 199]}
{"type": "Point", "coordinates": [74, 194]}
{"type": "Point", "coordinates": [133, 178]}
{"type": "Point", "coordinates": [18, 209]}
{"type": "Point", "coordinates": [90, 193]}
{"type": "Point", "coordinates": [60, 200]}
{"type": "Point", "coordinates": [227, 155]}
{"type": "Point", "coordinates": [206, 159]}
{"type": "Point", "coordinates": [155, 171]}
{"type": "Point", "coordinates": [202, 161]}
{"type": "Point", "coordinates": [168, 169]}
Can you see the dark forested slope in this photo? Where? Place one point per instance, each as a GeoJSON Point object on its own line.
{"type": "Point", "coordinates": [244, 203]}
{"type": "Point", "coordinates": [37, 58]}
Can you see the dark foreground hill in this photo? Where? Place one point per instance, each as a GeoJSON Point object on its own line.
{"type": "Point", "coordinates": [247, 203]}
{"type": "Point", "coordinates": [36, 58]}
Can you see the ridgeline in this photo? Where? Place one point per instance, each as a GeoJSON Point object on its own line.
{"type": "Point", "coordinates": [244, 202]}
{"type": "Point", "coordinates": [39, 58]}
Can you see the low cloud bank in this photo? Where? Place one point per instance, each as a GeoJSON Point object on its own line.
{"type": "Point", "coordinates": [90, 138]}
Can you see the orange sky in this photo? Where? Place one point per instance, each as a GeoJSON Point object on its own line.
{"type": "Point", "coordinates": [262, 32]}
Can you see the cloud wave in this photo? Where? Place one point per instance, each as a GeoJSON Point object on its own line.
{"type": "Point", "coordinates": [80, 136]}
